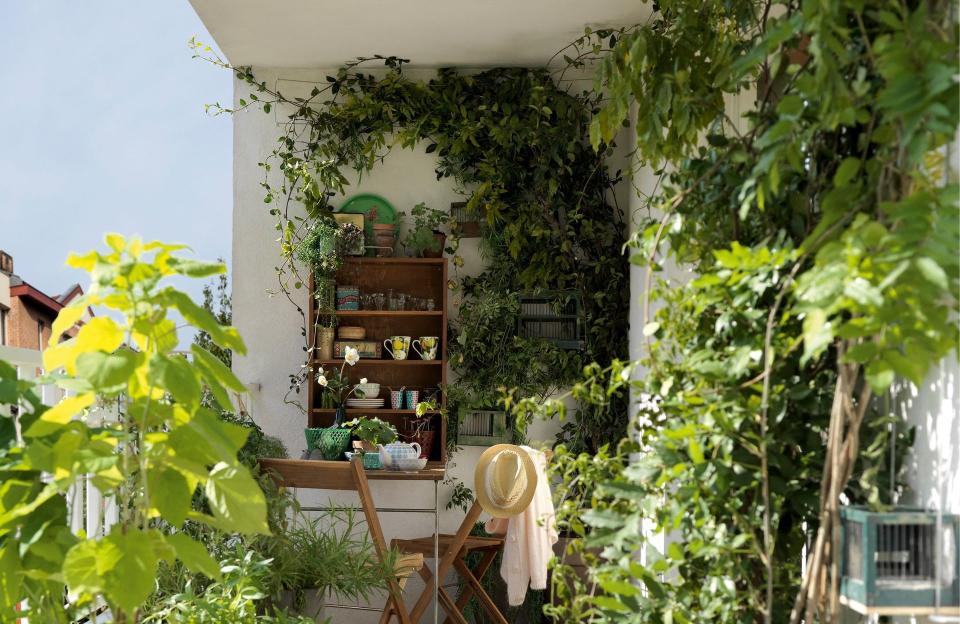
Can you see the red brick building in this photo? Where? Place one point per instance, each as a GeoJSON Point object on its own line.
{"type": "Point", "coordinates": [27, 313]}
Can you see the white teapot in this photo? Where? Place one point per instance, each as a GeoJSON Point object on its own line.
{"type": "Point", "coordinates": [393, 453]}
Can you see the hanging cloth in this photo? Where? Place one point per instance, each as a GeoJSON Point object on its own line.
{"type": "Point", "coordinates": [530, 537]}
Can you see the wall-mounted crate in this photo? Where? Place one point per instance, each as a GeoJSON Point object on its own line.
{"type": "Point", "coordinates": [468, 225]}
{"type": "Point", "coordinates": [483, 428]}
{"type": "Point", "coordinates": [555, 316]}
{"type": "Point", "coordinates": [899, 562]}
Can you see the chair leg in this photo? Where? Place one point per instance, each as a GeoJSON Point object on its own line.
{"type": "Point", "coordinates": [478, 572]}
{"type": "Point", "coordinates": [485, 601]}
{"type": "Point", "coordinates": [448, 604]}
{"type": "Point", "coordinates": [453, 551]}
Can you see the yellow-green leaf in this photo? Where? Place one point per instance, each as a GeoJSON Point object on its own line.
{"type": "Point", "coordinates": [60, 414]}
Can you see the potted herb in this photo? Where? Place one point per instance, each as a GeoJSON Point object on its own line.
{"type": "Point", "coordinates": [370, 432]}
{"type": "Point", "coordinates": [424, 239]}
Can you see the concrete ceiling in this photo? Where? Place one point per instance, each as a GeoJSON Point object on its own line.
{"type": "Point", "coordinates": [431, 33]}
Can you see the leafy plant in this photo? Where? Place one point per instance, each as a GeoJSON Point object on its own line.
{"type": "Point", "coordinates": [420, 236]}
{"type": "Point", "coordinates": [163, 445]}
{"type": "Point", "coordinates": [817, 228]}
{"type": "Point", "coordinates": [237, 598]}
{"type": "Point", "coordinates": [321, 249]}
{"type": "Point", "coordinates": [373, 431]}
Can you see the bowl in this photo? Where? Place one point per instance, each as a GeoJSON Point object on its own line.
{"type": "Point", "coordinates": [413, 463]}
{"type": "Point", "coordinates": [368, 390]}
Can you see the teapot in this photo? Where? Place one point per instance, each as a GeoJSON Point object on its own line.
{"type": "Point", "coordinates": [393, 453]}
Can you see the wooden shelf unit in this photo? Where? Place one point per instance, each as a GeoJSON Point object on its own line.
{"type": "Point", "coordinates": [416, 277]}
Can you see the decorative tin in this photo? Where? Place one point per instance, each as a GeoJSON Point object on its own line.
{"type": "Point", "coordinates": [348, 298]}
{"type": "Point", "coordinates": [368, 349]}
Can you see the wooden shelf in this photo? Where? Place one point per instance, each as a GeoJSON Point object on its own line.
{"type": "Point", "coordinates": [398, 260]}
{"type": "Point", "coordinates": [373, 362]}
{"type": "Point", "coordinates": [386, 411]}
{"type": "Point", "coordinates": [416, 277]}
{"type": "Point", "coordinates": [402, 313]}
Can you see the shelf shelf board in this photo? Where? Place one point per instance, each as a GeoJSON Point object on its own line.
{"type": "Point", "coordinates": [402, 313]}
{"type": "Point", "coordinates": [421, 261]}
{"type": "Point", "coordinates": [373, 362]}
{"type": "Point", "coordinates": [374, 410]}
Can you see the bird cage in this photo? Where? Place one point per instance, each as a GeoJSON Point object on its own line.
{"type": "Point", "coordinates": [555, 316]}
{"type": "Point", "coordinates": [483, 428]}
{"type": "Point", "coordinates": [903, 561]}
{"type": "Point", "coordinates": [468, 224]}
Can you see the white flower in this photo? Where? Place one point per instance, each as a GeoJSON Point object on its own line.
{"type": "Point", "coordinates": [363, 380]}
{"type": "Point", "coordinates": [351, 356]}
{"type": "Point", "coordinates": [322, 380]}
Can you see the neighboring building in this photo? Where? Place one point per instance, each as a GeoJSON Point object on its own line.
{"type": "Point", "coordinates": [27, 313]}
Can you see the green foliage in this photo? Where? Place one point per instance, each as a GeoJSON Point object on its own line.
{"type": "Point", "coordinates": [320, 249]}
{"type": "Point", "coordinates": [820, 235]}
{"type": "Point", "coordinates": [372, 430]}
{"type": "Point", "coordinates": [163, 445]}
{"type": "Point", "coordinates": [235, 599]}
{"type": "Point", "coordinates": [519, 143]}
{"type": "Point", "coordinates": [420, 236]}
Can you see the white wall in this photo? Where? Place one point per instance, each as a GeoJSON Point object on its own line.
{"type": "Point", "coordinates": [271, 326]}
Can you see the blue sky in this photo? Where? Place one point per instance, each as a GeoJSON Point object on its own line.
{"type": "Point", "coordinates": [102, 128]}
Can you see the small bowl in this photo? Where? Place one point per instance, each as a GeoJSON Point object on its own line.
{"type": "Point", "coordinates": [368, 390]}
{"type": "Point", "coordinates": [416, 463]}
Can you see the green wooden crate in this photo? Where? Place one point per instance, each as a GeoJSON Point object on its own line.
{"type": "Point", "coordinates": [890, 562]}
{"type": "Point", "coordinates": [555, 316]}
{"type": "Point", "coordinates": [483, 427]}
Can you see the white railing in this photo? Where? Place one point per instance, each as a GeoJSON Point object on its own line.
{"type": "Point", "coordinates": [89, 510]}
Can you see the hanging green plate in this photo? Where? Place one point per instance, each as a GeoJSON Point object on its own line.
{"type": "Point", "coordinates": [374, 209]}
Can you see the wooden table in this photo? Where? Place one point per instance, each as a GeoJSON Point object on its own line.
{"type": "Point", "coordinates": [322, 475]}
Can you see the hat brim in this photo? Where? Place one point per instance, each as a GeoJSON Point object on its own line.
{"type": "Point", "coordinates": [479, 481]}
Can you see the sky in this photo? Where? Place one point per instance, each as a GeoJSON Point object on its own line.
{"type": "Point", "coordinates": [103, 129]}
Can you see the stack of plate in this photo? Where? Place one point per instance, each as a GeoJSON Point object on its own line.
{"type": "Point", "coordinates": [364, 403]}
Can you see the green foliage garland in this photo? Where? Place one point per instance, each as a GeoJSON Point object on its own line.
{"type": "Point", "coordinates": [824, 245]}
{"type": "Point", "coordinates": [517, 145]}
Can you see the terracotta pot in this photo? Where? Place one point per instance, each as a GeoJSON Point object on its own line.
{"type": "Point", "coordinates": [424, 439]}
{"type": "Point", "coordinates": [384, 238]}
{"type": "Point", "coordinates": [441, 238]}
{"type": "Point", "coordinates": [325, 343]}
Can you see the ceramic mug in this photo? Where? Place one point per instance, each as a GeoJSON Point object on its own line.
{"type": "Point", "coordinates": [412, 398]}
{"type": "Point", "coordinates": [426, 347]}
{"type": "Point", "coordinates": [398, 346]}
{"type": "Point", "coordinates": [396, 399]}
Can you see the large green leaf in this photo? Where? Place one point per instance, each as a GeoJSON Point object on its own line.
{"type": "Point", "coordinates": [129, 561]}
{"type": "Point", "coordinates": [108, 373]}
{"type": "Point", "coordinates": [226, 337]}
{"type": "Point", "coordinates": [176, 376]}
{"type": "Point", "coordinates": [236, 499]}
{"type": "Point", "coordinates": [194, 555]}
{"type": "Point", "coordinates": [169, 494]}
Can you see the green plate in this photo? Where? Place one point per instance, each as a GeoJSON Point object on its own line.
{"type": "Point", "coordinates": [374, 208]}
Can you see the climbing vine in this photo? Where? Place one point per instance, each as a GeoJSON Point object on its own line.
{"type": "Point", "coordinates": [516, 145]}
{"type": "Point", "coordinates": [820, 234]}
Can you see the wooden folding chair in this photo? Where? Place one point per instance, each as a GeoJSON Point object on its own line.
{"type": "Point", "coordinates": [454, 549]}
{"type": "Point", "coordinates": [350, 476]}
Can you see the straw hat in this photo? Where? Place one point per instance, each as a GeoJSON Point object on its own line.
{"type": "Point", "coordinates": [505, 480]}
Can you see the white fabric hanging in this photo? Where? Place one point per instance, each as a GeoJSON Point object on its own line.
{"type": "Point", "coordinates": [530, 537]}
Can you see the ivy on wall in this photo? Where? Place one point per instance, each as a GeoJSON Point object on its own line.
{"type": "Point", "coordinates": [516, 144]}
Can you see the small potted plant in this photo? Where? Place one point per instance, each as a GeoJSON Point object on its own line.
{"type": "Point", "coordinates": [424, 238]}
{"type": "Point", "coordinates": [322, 251]}
{"type": "Point", "coordinates": [420, 428]}
{"type": "Point", "coordinates": [335, 384]}
{"type": "Point", "coordinates": [369, 433]}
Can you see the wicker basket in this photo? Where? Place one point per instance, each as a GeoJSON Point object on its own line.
{"type": "Point", "coordinates": [332, 442]}
{"type": "Point", "coordinates": [346, 332]}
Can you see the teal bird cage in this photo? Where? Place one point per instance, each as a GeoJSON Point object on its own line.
{"type": "Point", "coordinates": [903, 561]}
